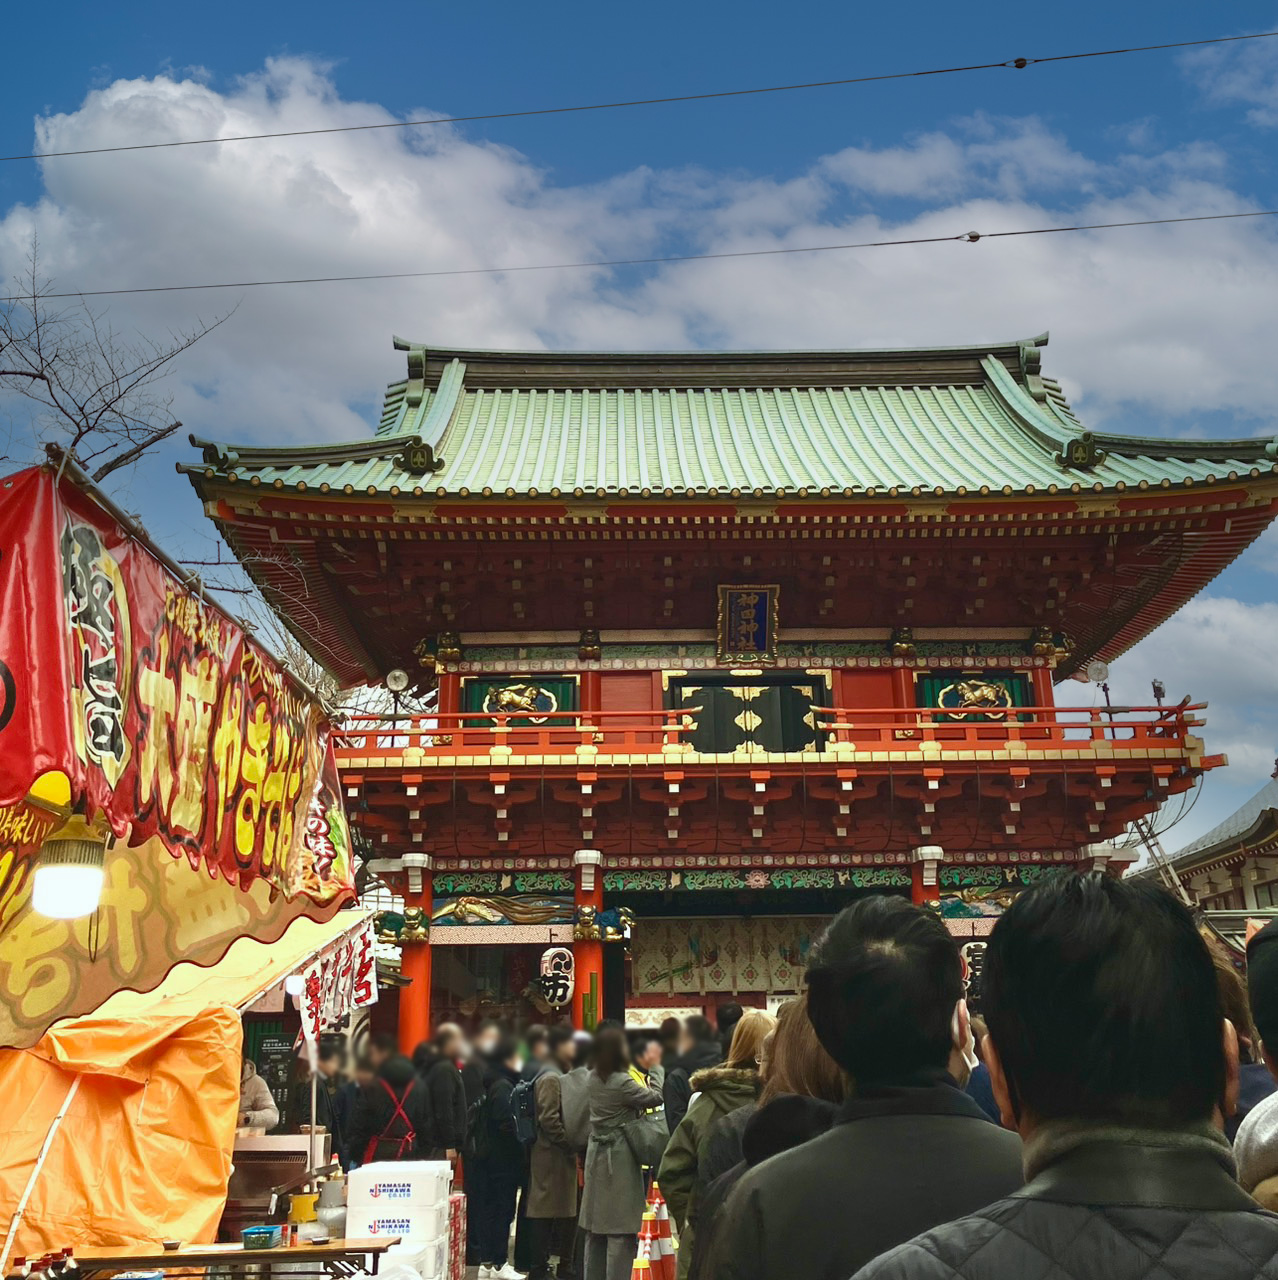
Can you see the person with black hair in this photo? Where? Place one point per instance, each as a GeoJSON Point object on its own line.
{"type": "Point", "coordinates": [646, 1053]}
{"type": "Point", "coordinates": [699, 1050]}
{"type": "Point", "coordinates": [550, 1203]}
{"type": "Point", "coordinates": [909, 1149]}
{"type": "Point", "coordinates": [329, 1081]}
{"type": "Point", "coordinates": [391, 1119]}
{"type": "Point", "coordinates": [434, 1064]}
{"type": "Point", "coordinates": [536, 1050]}
{"type": "Point", "coordinates": [1109, 1052]}
{"type": "Point", "coordinates": [495, 1165]}
{"type": "Point", "coordinates": [670, 1032]}
{"type": "Point", "coordinates": [726, 1017]}
{"type": "Point", "coordinates": [612, 1201]}
{"type": "Point", "coordinates": [347, 1100]}
{"type": "Point", "coordinates": [381, 1045]}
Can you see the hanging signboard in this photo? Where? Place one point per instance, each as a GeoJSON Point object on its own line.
{"type": "Point", "coordinates": [338, 982]}
{"type": "Point", "coordinates": [168, 721]}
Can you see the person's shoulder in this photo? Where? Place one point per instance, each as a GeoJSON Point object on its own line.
{"type": "Point", "coordinates": [995, 1137]}
{"type": "Point", "coordinates": [1256, 1143]}
{"type": "Point", "coordinates": [807, 1165]}
{"type": "Point", "coordinates": [941, 1252]}
{"type": "Point", "coordinates": [1260, 1124]}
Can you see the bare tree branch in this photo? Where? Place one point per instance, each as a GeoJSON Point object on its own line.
{"type": "Point", "coordinates": [123, 459]}
{"type": "Point", "coordinates": [97, 392]}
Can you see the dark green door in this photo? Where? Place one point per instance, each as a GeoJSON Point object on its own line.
{"type": "Point", "coordinates": [752, 713]}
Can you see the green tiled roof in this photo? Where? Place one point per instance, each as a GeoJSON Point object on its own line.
{"type": "Point", "coordinates": [947, 421]}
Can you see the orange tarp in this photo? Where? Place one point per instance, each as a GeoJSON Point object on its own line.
{"type": "Point", "coordinates": [143, 1151]}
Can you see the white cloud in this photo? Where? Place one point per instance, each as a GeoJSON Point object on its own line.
{"type": "Point", "coordinates": [1167, 323]}
{"type": "Point", "coordinates": [1001, 157]}
{"type": "Point", "coordinates": [1170, 319]}
{"type": "Point", "coordinates": [1215, 650]}
{"type": "Point", "coordinates": [1241, 74]}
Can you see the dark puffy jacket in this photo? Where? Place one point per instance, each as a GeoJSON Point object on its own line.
{"type": "Point", "coordinates": [677, 1091]}
{"type": "Point", "coordinates": [899, 1160]}
{"type": "Point", "coordinates": [447, 1096]}
{"type": "Point", "coordinates": [377, 1131]}
{"type": "Point", "coordinates": [1105, 1211]}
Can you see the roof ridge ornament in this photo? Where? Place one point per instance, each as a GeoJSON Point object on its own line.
{"type": "Point", "coordinates": [417, 457]}
{"type": "Point", "coordinates": [416, 389]}
{"type": "Point", "coordinates": [1032, 366]}
{"type": "Point", "coordinates": [1081, 452]}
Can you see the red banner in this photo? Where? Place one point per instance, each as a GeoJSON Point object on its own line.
{"type": "Point", "coordinates": [164, 716]}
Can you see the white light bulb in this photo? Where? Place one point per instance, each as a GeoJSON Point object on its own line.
{"type": "Point", "coordinates": [294, 985]}
{"type": "Point", "coordinates": [66, 892]}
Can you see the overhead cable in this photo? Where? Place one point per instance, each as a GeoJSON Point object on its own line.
{"type": "Point", "coordinates": [970, 237]}
{"type": "Point", "coordinates": [1018, 64]}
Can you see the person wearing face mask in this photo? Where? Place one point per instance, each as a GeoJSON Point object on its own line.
{"type": "Point", "coordinates": [1111, 1054]}
{"type": "Point", "coordinates": [496, 1165]}
{"type": "Point", "coordinates": [909, 1149]}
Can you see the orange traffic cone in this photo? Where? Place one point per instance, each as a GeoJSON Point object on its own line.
{"type": "Point", "coordinates": [665, 1267]}
{"type": "Point", "coordinates": [642, 1268]}
{"type": "Point", "coordinates": [648, 1234]}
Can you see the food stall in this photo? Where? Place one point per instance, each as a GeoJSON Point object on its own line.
{"type": "Point", "coordinates": [167, 789]}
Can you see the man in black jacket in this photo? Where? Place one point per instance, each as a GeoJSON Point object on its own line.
{"type": "Point", "coordinates": [1108, 1050]}
{"type": "Point", "coordinates": [701, 1049]}
{"type": "Point", "coordinates": [909, 1149]}
{"type": "Point", "coordinates": [436, 1065]}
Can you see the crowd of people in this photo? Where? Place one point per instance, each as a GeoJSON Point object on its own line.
{"type": "Point", "coordinates": [1111, 1114]}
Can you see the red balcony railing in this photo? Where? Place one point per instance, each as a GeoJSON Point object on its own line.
{"type": "Point", "coordinates": [1128, 728]}
{"type": "Point", "coordinates": [842, 729]}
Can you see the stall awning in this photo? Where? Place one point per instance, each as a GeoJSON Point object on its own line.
{"type": "Point", "coordinates": [128, 699]}
{"type": "Point", "coordinates": [247, 971]}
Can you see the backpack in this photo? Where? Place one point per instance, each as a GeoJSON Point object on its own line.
{"type": "Point", "coordinates": [523, 1104]}
{"type": "Point", "coordinates": [388, 1145]}
{"type": "Point", "coordinates": [574, 1105]}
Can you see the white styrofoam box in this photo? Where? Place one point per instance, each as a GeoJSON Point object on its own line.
{"type": "Point", "coordinates": [398, 1183]}
{"type": "Point", "coordinates": [414, 1222]}
{"type": "Point", "coordinates": [428, 1258]}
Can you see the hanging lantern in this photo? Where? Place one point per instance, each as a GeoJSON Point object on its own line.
{"type": "Point", "coordinates": [557, 976]}
{"type": "Point", "coordinates": [69, 872]}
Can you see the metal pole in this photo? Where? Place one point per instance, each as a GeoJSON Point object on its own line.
{"type": "Point", "coordinates": [314, 1101]}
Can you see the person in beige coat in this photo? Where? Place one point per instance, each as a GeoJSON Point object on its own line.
{"type": "Point", "coordinates": [552, 1185]}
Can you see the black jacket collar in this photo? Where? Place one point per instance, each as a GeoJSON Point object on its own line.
{"type": "Point", "coordinates": [926, 1093]}
{"type": "Point", "coordinates": [1128, 1173]}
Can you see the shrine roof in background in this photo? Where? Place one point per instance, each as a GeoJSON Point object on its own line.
{"type": "Point", "coordinates": [1250, 830]}
{"type": "Point", "coordinates": [959, 421]}
{"type": "Point", "coordinates": [877, 488]}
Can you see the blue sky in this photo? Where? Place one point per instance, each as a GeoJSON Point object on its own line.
{"type": "Point", "coordinates": [1160, 331]}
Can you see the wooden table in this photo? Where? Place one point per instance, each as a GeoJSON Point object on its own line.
{"type": "Point", "coordinates": [336, 1258]}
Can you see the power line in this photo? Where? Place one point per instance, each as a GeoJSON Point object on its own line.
{"type": "Point", "coordinates": [1018, 64]}
{"type": "Point", "coordinates": [971, 237]}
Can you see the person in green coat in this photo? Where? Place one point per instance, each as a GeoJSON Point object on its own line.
{"type": "Point", "coordinates": [717, 1091]}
